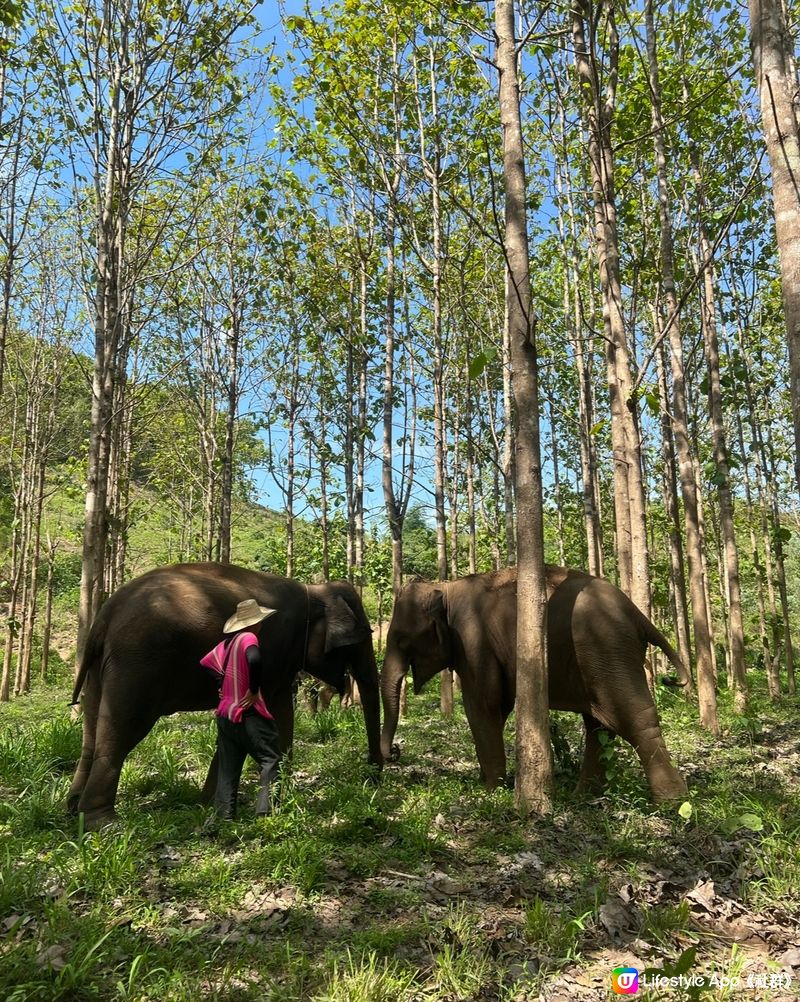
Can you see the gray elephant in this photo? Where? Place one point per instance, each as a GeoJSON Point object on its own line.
{"type": "Point", "coordinates": [142, 655]}
{"type": "Point", "coordinates": [596, 641]}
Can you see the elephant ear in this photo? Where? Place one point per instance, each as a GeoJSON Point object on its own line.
{"type": "Point", "coordinates": [342, 627]}
{"type": "Point", "coordinates": [438, 615]}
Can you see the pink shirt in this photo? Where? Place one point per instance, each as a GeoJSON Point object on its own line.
{"type": "Point", "coordinates": [236, 681]}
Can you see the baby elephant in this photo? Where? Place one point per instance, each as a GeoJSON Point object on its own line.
{"type": "Point", "coordinates": [596, 642]}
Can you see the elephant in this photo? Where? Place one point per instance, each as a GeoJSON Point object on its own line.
{"type": "Point", "coordinates": [596, 643]}
{"type": "Point", "coordinates": [144, 646]}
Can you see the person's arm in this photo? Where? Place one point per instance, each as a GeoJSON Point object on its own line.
{"type": "Point", "coordinates": [253, 655]}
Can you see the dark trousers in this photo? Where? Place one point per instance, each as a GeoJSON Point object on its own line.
{"type": "Point", "coordinates": [255, 736]}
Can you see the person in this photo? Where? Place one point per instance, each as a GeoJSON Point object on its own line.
{"type": "Point", "coordinates": [244, 724]}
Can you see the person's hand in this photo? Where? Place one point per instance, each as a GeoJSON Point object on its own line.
{"type": "Point", "coordinates": [248, 699]}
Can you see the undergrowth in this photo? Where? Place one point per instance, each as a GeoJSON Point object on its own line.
{"type": "Point", "coordinates": [420, 887]}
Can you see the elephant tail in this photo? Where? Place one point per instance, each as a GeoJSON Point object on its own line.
{"type": "Point", "coordinates": [655, 637]}
{"type": "Point", "coordinates": [91, 656]}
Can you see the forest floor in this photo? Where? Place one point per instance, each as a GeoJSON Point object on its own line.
{"type": "Point", "coordinates": [422, 887]}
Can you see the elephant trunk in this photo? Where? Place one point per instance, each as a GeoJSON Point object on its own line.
{"type": "Point", "coordinates": [365, 673]}
{"type": "Point", "coordinates": [394, 671]}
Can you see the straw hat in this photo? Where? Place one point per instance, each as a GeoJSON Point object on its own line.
{"type": "Point", "coordinates": [248, 613]}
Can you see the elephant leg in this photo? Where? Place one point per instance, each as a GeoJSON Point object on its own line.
{"type": "Point", "coordinates": [210, 785]}
{"type": "Point", "coordinates": [638, 724]}
{"type": "Point", "coordinates": [666, 783]}
{"type": "Point", "coordinates": [593, 771]}
{"type": "Point", "coordinates": [280, 706]}
{"type": "Point", "coordinates": [91, 703]}
{"type": "Point", "coordinates": [486, 724]}
{"type": "Point", "coordinates": [117, 734]}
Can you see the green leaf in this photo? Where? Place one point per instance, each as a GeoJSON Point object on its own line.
{"type": "Point", "coordinates": [685, 962]}
{"type": "Point", "coordinates": [751, 821]}
{"type": "Point", "coordinates": [480, 361]}
{"type": "Point", "coordinates": [685, 810]}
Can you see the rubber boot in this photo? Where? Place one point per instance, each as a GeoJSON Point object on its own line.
{"type": "Point", "coordinates": [264, 803]}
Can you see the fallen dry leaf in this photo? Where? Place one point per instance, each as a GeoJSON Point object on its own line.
{"type": "Point", "coordinates": [54, 957]}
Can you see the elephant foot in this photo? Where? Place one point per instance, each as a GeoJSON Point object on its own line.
{"type": "Point", "coordinates": [73, 799]}
{"type": "Point", "coordinates": [93, 821]}
{"type": "Point", "coordinates": [671, 791]}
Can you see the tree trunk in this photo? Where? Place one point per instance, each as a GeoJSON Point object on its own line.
{"type": "Point", "coordinates": [776, 82]}
{"type": "Point", "coordinates": [677, 565]}
{"type": "Point", "coordinates": [534, 753]}
{"type": "Point", "coordinates": [394, 513]}
{"type": "Point", "coordinates": [780, 574]}
{"type": "Point", "coordinates": [509, 443]}
{"type": "Point", "coordinates": [361, 433]}
{"type": "Point", "coordinates": [453, 479]}
{"type": "Point", "coordinates": [629, 503]}
{"type": "Point", "coordinates": [233, 340]}
{"type": "Point", "coordinates": [31, 606]}
{"type": "Point", "coordinates": [48, 607]}
{"type": "Point", "coordinates": [573, 315]}
{"type": "Point", "coordinates": [111, 229]}
{"type": "Point", "coordinates": [680, 416]}
{"type": "Point", "coordinates": [733, 592]}
{"type": "Point", "coordinates": [291, 454]}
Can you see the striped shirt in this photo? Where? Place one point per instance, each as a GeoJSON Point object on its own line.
{"type": "Point", "coordinates": [230, 656]}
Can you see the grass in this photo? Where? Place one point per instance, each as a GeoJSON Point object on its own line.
{"type": "Point", "coordinates": [422, 887]}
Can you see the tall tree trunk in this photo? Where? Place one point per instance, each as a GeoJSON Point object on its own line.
{"type": "Point", "coordinates": [355, 436]}
{"type": "Point", "coordinates": [629, 502]}
{"type": "Point", "coordinates": [773, 61]}
{"type": "Point", "coordinates": [453, 479]}
{"type": "Point", "coordinates": [469, 476]}
{"type": "Point", "coordinates": [361, 433]}
{"type": "Point", "coordinates": [680, 415]}
{"type": "Point", "coordinates": [394, 513]}
{"type": "Point", "coordinates": [231, 419]}
{"type": "Point", "coordinates": [291, 456]}
{"type": "Point", "coordinates": [677, 565]}
{"type": "Point", "coordinates": [534, 752]}
{"type": "Point", "coordinates": [31, 606]}
{"type": "Point", "coordinates": [47, 623]}
{"type": "Point", "coordinates": [562, 558]}
{"type": "Point", "coordinates": [780, 574]}
{"type": "Point", "coordinates": [509, 443]}
{"type": "Point", "coordinates": [111, 228]}
{"type": "Point", "coordinates": [573, 314]}
{"type": "Point", "coordinates": [770, 519]}
{"type": "Point", "coordinates": [733, 593]}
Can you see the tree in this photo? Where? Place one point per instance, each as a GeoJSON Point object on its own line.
{"type": "Point", "coordinates": [589, 26]}
{"type": "Point", "coordinates": [141, 93]}
{"type": "Point", "coordinates": [679, 409]}
{"type": "Point", "coordinates": [534, 753]}
{"type": "Point", "coordinates": [776, 82]}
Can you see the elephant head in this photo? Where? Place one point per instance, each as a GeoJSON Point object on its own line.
{"type": "Point", "coordinates": [342, 642]}
{"type": "Point", "coordinates": [418, 638]}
